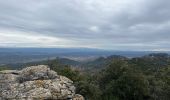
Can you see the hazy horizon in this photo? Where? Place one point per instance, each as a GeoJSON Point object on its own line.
{"type": "Point", "coordinates": [86, 48]}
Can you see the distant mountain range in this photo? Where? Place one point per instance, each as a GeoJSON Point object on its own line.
{"type": "Point", "coordinates": [152, 60]}
{"type": "Point", "coordinates": [25, 55]}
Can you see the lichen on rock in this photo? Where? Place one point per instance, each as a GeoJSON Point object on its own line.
{"type": "Point", "coordinates": [35, 83]}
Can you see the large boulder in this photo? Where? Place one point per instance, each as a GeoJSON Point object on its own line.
{"type": "Point", "coordinates": [35, 83]}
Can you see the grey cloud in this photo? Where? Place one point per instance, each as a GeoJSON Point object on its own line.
{"type": "Point", "coordinates": [130, 24]}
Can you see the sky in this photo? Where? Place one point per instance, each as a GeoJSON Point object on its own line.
{"type": "Point", "coordinates": [103, 24]}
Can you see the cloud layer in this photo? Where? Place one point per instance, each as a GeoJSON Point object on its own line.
{"type": "Point", "coordinates": [106, 24]}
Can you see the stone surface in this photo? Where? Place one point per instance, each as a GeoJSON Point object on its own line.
{"type": "Point", "coordinates": [78, 97]}
{"type": "Point", "coordinates": [36, 83]}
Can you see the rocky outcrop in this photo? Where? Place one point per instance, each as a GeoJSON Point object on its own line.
{"type": "Point", "coordinates": [36, 83]}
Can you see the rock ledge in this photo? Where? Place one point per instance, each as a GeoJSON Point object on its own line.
{"type": "Point", "coordinates": [36, 83]}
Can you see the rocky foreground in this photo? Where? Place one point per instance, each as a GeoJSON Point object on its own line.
{"type": "Point", "coordinates": [36, 83]}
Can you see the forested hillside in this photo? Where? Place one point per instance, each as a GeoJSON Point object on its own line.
{"type": "Point", "coordinates": [144, 78]}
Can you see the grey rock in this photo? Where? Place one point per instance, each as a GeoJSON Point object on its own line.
{"type": "Point", "coordinates": [35, 83]}
{"type": "Point", "coordinates": [78, 97]}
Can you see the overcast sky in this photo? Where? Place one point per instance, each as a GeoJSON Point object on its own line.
{"type": "Point", "coordinates": [105, 24]}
